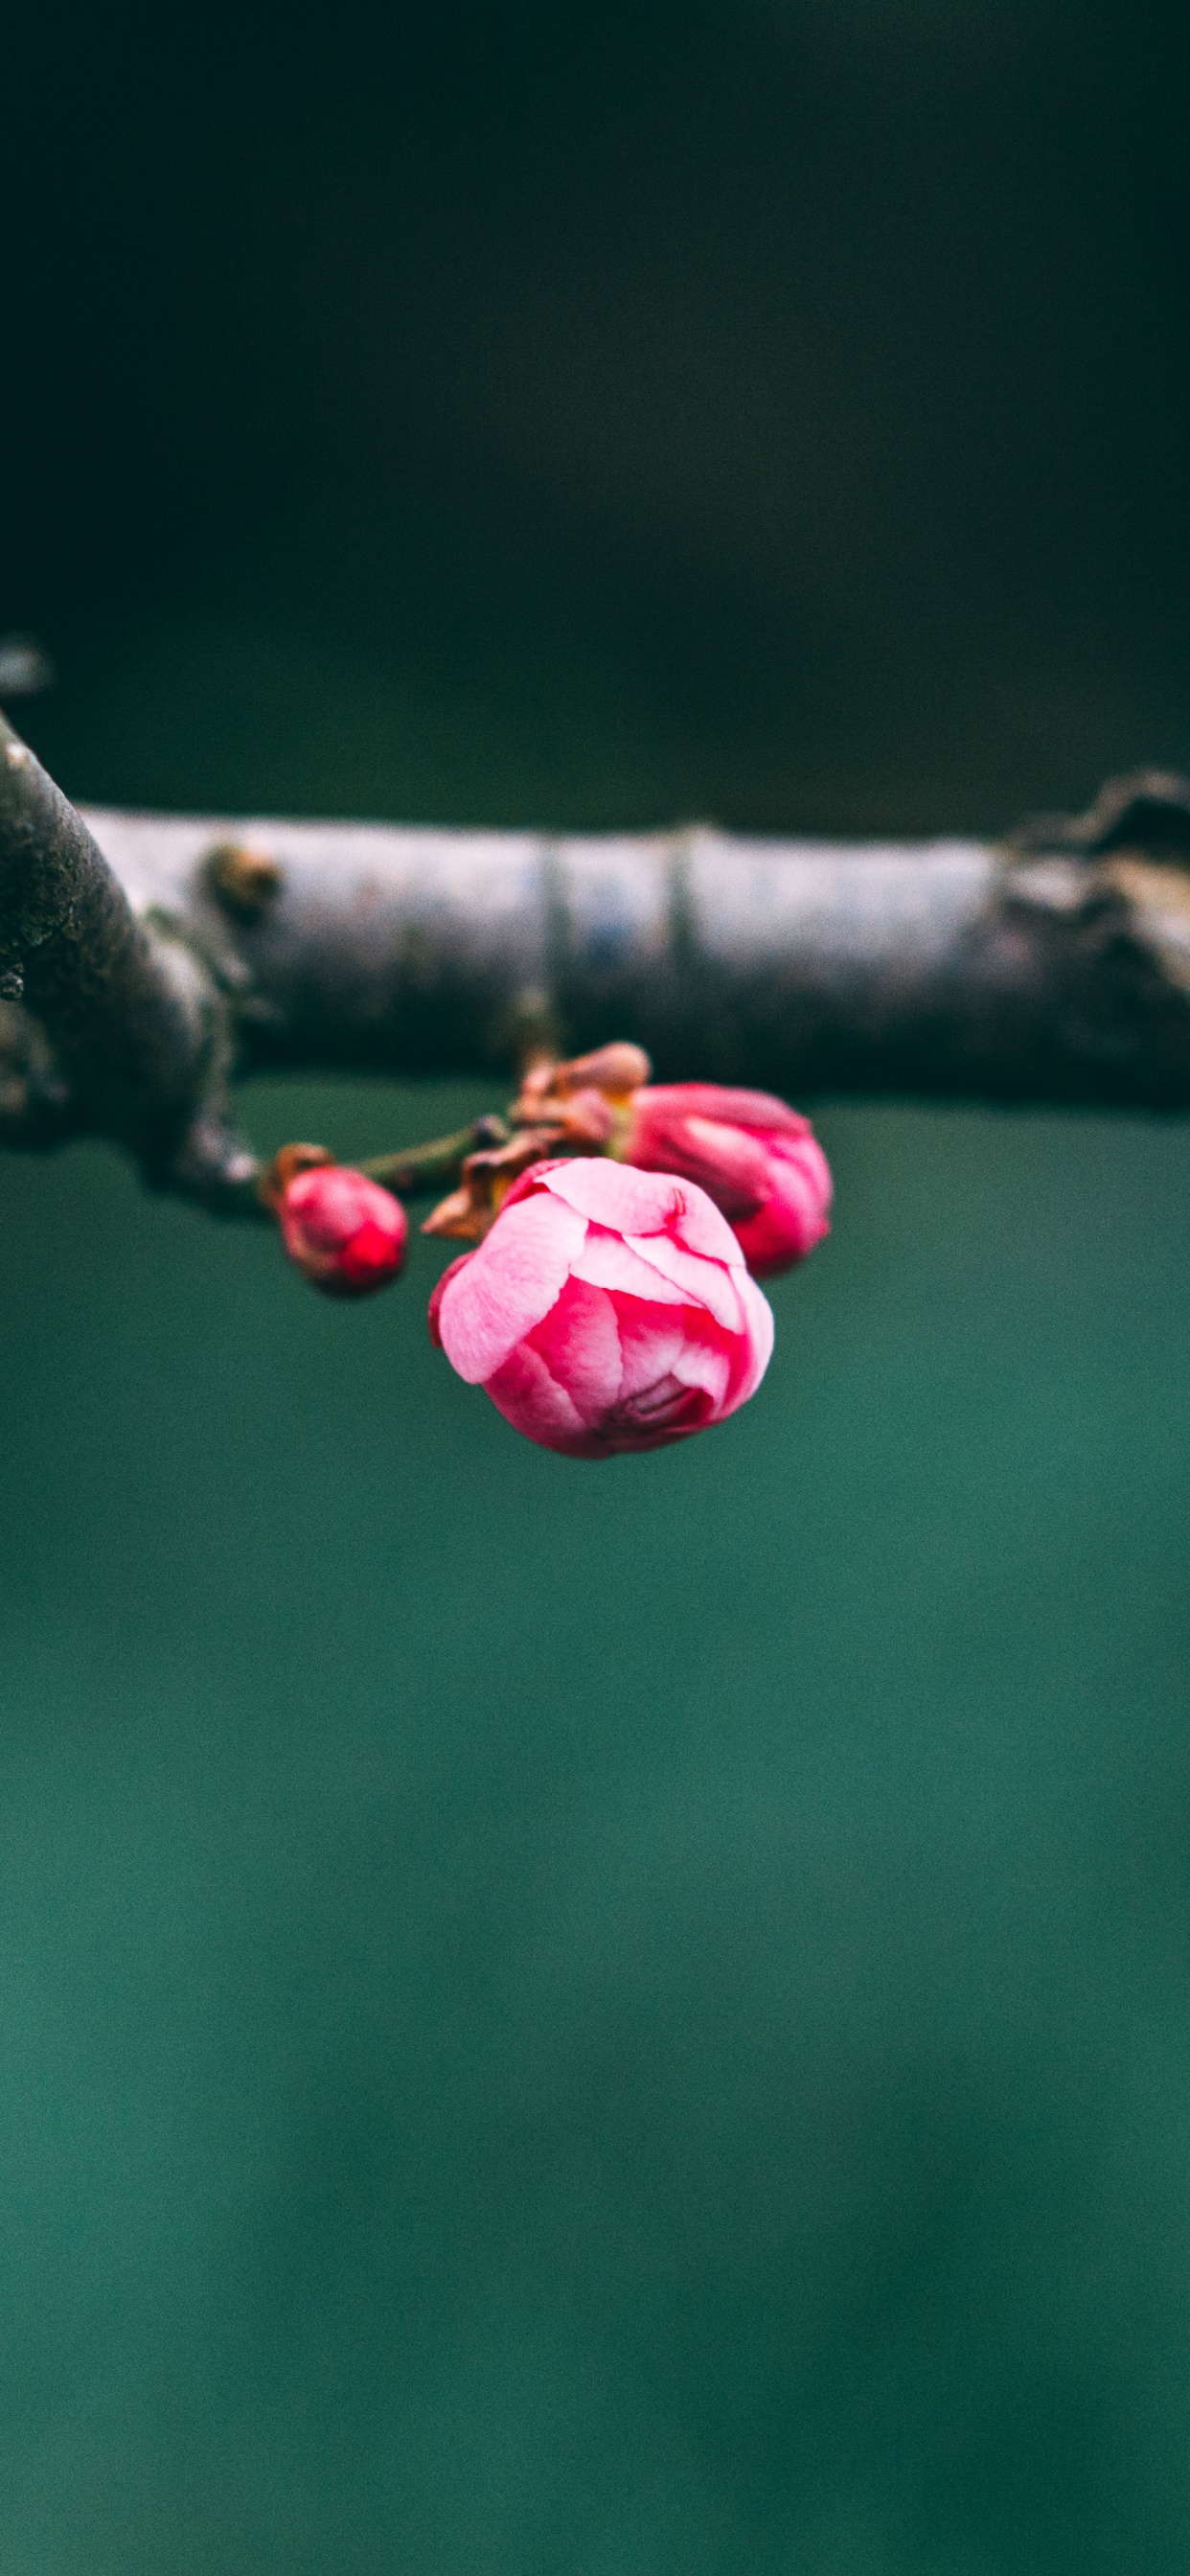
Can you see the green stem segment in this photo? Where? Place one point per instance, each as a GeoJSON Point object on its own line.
{"type": "Point", "coordinates": [423, 1171]}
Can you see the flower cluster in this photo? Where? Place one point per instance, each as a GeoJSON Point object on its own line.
{"type": "Point", "coordinates": [617, 1230]}
{"type": "Point", "coordinates": [757, 1159]}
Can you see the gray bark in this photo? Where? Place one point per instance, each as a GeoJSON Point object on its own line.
{"type": "Point", "coordinates": [1051, 968]}
{"type": "Point", "coordinates": [954, 968]}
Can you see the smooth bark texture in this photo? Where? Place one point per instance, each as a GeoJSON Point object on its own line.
{"type": "Point", "coordinates": [1054, 967]}
{"type": "Point", "coordinates": [1051, 972]}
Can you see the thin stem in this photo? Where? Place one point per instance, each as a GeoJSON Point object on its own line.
{"type": "Point", "coordinates": [423, 1170]}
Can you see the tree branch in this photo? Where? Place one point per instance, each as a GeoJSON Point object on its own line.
{"type": "Point", "coordinates": [161, 953]}
{"type": "Point", "coordinates": [123, 1031]}
{"type": "Point", "coordinates": [1053, 967]}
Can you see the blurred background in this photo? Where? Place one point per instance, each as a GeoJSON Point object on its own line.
{"type": "Point", "coordinates": [774, 411]}
{"type": "Point", "coordinates": [566, 2022]}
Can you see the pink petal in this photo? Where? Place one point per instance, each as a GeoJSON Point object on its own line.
{"type": "Point", "coordinates": [606, 1261]}
{"type": "Point", "coordinates": [731, 1166]}
{"type": "Point", "coordinates": [702, 1229]}
{"type": "Point", "coordinates": [650, 1340]}
{"type": "Point", "coordinates": [580, 1344]}
{"type": "Point", "coordinates": [794, 1216]}
{"type": "Point", "coordinates": [758, 1111]}
{"type": "Point", "coordinates": [437, 1293]}
{"type": "Point", "coordinates": [509, 1283]}
{"type": "Point", "coordinates": [528, 1397]}
{"type": "Point", "coordinates": [702, 1283]}
{"type": "Point", "coordinates": [531, 1181]}
{"type": "Point", "coordinates": [706, 1364]}
{"type": "Point", "coordinates": [616, 1195]}
{"type": "Point", "coordinates": [666, 1410]}
{"type": "Point", "coordinates": [690, 1350]}
{"type": "Point", "coordinates": [758, 1316]}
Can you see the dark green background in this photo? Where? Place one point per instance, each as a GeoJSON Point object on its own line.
{"type": "Point", "coordinates": [563, 2021]}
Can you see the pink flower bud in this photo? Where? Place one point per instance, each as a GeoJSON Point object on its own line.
{"type": "Point", "coordinates": [606, 1309]}
{"type": "Point", "coordinates": [345, 1233]}
{"type": "Point", "coordinates": [758, 1161]}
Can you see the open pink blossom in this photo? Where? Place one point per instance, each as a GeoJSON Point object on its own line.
{"type": "Point", "coordinates": [606, 1309]}
{"type": "Point", "coordinates": [345, 1233]}
{"type": "Point", "coordinates": [758, 1160]}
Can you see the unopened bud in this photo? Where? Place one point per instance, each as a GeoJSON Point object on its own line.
{"type": "Point", "coordinates": [605, 1309]}
{"type": "Point", "coordinates": [346, 1234]}
{"type": "Point", "coordinates": [756, 1158]}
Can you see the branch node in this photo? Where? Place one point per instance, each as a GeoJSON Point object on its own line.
{"type": "Point", "coordinates": [243, 880]}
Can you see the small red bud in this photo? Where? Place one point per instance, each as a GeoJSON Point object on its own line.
{"type": "Point", "coordinates": [346, 1234]}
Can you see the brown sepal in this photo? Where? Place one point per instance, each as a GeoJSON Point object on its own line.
{"type": "Point", "coordinates": [284, 1168]}
{"type": "Point", "coordinates": [613, 1071]}
{"type": "Point", "coordinates": [487, 1178]}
